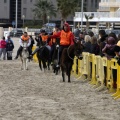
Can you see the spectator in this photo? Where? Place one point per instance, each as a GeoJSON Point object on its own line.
{"type": "Point", "coordinates": [8, 38]}
{"type": "Point", "coordinates": [102, 40]}
{"type": "Point", "coordinates": [94, 49]}
{"type": "Point", "coordinates": [109, 48]}
{"type": "Point", "coordinates": [3, 48]}
{"type": "Point", "coordinates": [81, 37]}
{"type": "Point", "coordinates": [90, 33]}
{"type": "Point", "coordinates": [114, 36]}
{"type": "Point", "coordinates": [9, 48]}
{"type": "Point", "coordinates": [87, 43]}
{"type": "Point", "coordinates": [76, 32]}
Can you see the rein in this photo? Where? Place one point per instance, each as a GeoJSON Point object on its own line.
{"type": "Point", "coordinates": [68, 53]}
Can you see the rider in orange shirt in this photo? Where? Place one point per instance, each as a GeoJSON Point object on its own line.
{"type": "Point", "coordinates": [53, 41]}
{"type": "Point", "coordinates": [24, 37]}
{"type": "Point", "coordinates": [66, 38]}
{"type": "Point", "coordinates": [43, 41]}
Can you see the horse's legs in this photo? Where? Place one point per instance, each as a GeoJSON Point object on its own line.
{"type": "Point", "coordinates": [69, 68]}
{"type": "Point", "coordinates": [22, 64]}
{"type": "Point", "coordinates": [40, 64]}
{"type": "Point", "coordinates": [69, 76]}
{"type": "Point", "coordinates": [26, 64]}
{"type": "Point", "coordinates": [44, 64]}
{"type": "Point", "coordinates": [63, 74]}
{"type": "Point", "coordinates": [48, 64]}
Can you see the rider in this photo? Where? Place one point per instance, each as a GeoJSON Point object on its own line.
{"type": "Point", "coordinates": [24, 37]}
{"type": "Point", "coordinates": [43, 40]}
{"type": "Point", "coordinates": [53, 41]}
{"type": "Point", "coordinates": [66, 38]}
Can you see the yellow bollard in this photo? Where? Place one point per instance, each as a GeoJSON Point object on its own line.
{"type": "Point", "coordinates": [112, 65]}
{"type": "Point", "coordinates": [74, 67]}
{"type": "Point", "coordinates": [93, 79]}
{"type": "Point", "coordinates": [117, 94]}
{"type": "Point", "coordinates": [84, 69]}
{"type": "Point", "coordinates": [99, 73]}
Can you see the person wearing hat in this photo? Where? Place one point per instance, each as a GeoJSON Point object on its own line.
{"type": "Point", "coordinates": [24, 37]}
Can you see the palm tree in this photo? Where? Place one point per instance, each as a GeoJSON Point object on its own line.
{"type": "Point", "coordinates": [87, 17]}
{"type": "Point", "coordinates": [43, 8]}
{"type": "Point", "coordinates": [67, 7]}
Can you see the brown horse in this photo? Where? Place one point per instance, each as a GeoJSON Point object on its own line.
{"type": "Point", "coordinates": [68, 56]}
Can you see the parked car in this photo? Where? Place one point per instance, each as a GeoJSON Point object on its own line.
{"type": "Point", "coordinates": [16, 33]}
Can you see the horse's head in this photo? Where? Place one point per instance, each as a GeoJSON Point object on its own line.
{"type": "Point", "coordinates": [78, 49]}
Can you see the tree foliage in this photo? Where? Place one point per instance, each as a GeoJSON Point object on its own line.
{"type": "Point", "coordinates": [44, 8]}
{"type": "Point", "coordinates": [67, 7]}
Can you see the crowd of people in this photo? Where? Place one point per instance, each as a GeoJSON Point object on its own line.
{"type": "Point", "coordinates": [103, 44]}
{"type": "Point", "coordinates": [6, 48]}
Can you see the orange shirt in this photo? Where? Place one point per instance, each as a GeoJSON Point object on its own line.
{"type": "Point", "coordinates": [25, 38]}
{"type": "Point", "coordinates": [44, 37]}
{"type": "Point", "coordinates": [65, 38]}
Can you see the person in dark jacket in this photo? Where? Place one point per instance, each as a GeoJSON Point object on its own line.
{"type": "Point", "coordinates": [9, 49]}
{"type": "Point", "coordinates": [102, 40]}
{"type": "Point", "coordinates": [94, 49]}
{"type": "Point", "coordinates": [108, 50]}
{"type": "Point", "coordinates": [87, 43]}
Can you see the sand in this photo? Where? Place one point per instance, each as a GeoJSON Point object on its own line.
{"type": "Point", "coordinates": [39, 95]}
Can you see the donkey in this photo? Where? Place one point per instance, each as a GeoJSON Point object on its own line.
{"type": "Point", "coordinates": [68, 56]}
{"type": "Point", "coordinates": [24, 56]}
{"type": "Point", "coordinates": [43, 55]}
{"type": "Point", "coordinates": [55, 57]}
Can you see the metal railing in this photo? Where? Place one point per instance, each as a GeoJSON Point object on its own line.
{"type": "Point", "coordinates": [99, 14]}
{"type": "Point", "coordinates": [110, 4]}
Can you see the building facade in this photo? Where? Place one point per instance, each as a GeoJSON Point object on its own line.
{"type": "Point", "coordinates": [107, 15]}
{"type": "Point", "coordinates": [91, 5]}
{"type": "Point", "coordinates": [25, 10]}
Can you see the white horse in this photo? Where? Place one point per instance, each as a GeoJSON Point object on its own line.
{"type": "Point", "coordinates": [24, 56]}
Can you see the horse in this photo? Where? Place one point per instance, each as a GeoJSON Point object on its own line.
{"type": "Point", "coordinates": [43, 55]}
{"type": "Point", "coordinates": [56, 66]}
{"type": "Point", "coordinates": [67, 58]}
{"type": "Point", "coordinates": [24, 56]}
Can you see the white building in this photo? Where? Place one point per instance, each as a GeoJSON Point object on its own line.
{"type": "Point", "coordinates": [107, 15]}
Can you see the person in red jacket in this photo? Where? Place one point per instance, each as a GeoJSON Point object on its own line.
{"type": "Point", "coordinates": [66, 38]}
{"type": "Point", "coordinates": [3, 48]}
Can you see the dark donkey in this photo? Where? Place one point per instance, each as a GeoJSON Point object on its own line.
{"type": "Point", "coordinates": [68, 56]}
{"type": "Point", "coordinates": [55, 57]}
{"type": "Point", "coordinates": [43, 55]}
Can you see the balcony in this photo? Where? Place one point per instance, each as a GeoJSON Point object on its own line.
{"type": "Point", "coordinates": [99, 16]}
{"type": "Point", "coordinates": [103, 9]}
{"type": "Point", "coordinates": [110, 4]}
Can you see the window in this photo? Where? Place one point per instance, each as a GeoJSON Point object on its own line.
{"type": "Point", "coordinates": [5, 1]}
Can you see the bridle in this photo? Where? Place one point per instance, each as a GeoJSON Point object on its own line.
{"type": "Point", "coordinates": [68, 52]}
